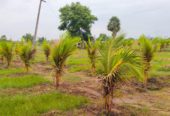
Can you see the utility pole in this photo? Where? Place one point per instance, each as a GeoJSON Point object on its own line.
{"type": "Point", "coordinates": [37, 22]}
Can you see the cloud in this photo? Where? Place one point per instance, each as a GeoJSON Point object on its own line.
{"type": "Point", "coordinates": [151, 17]}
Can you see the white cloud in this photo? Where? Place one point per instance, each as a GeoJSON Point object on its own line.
{"type": "Point", "coordinates": [151, 17]}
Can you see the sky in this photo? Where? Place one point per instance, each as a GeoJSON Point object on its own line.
{"type": "Point", "coordinates": [149, 17]}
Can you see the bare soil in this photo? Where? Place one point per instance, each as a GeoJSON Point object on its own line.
{"type": "Point", "coordinates": [128, 101]}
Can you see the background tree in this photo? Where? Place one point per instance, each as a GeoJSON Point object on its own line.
{"type": "Point", "coordinates": [76, 18]}
{"type": "Point", "coordinates": [27, 37]}
{"type": "Point", "coordinates": [41, 40]}
{"type": "Point", "coordinates": [102, 37]}
{"type": "Point", "coordinates": [114, 26]}
{"type": "Point", "coordinates": [3, 38]}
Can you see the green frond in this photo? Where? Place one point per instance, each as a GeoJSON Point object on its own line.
{"type": "Point", "coordinates": [117, 61]}
{"type": "Point", "coordinates": [46, 48]}
{"type": "Point", "coordinates": [6, 50]}
{"type": "Point", "coordinates": [26, 53]}
{"type": "Point", "coordinates": [62, 50]}
{"type": "Point", "coordinates": [147, 48]}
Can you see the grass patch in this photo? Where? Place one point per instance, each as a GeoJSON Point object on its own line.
{"type": "Point", "coordinates": [78, 68]}
{"type": "Point", "coordinates": [77, 61]}
{"type": "Point", "coordinates": [29, 105]}
{"type": "Point", "coordinates": [21, 82]}
{"type": "Point", "coordinates": [71, 78]}
{"type": "Point", "coordinates": [6, 72]}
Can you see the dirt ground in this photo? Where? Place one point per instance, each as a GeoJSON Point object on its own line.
{"type": "Point", "coordinates": [129, 100]}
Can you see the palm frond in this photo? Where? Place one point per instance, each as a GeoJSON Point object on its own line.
{"type": "Point", "coordinates": [147, 48]}
{"type": "Point", "coordinates": [26, 53]}
{"type": "Point", "coordinates": [92, 53]}
{"type": "Point", "coordinates": [46, 49]}
{"type": "Point", "coordinates": [6, 50]}
{"type": "Point", "coordinates": [62, 50]}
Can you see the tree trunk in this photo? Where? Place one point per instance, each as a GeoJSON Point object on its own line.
{"type": "Point", "coordinates": [47, 58]}
{"type": "Point", "coordinates": [145, 78]}
{"type": "Point", "coordinates": [57, 79]}
{"type": "Point", "coordinates": [113, 35]}
{"type": "Point", "coordinates": [27, 67]}
{"type": "Point", "coordinates": [93, 69]}
{"type": "Point", "coordinates": [8, 64]}
{"type": "Point", "coordinates": [146, 75]}
{"type": "Point", "coordinates": [108, 103]}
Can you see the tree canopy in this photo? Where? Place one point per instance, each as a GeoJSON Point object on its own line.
{"type": "Point", "coordinates": [76, 19]}
{"type": "Point", "coordinates": [114, 25]}
{"type": "Point", "coordinates": [27, 37]}
{"type": "Point", "coordinates": [3, 38]}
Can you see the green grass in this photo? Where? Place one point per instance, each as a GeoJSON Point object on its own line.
{"type": "Point", "coordinates": [77, 68]}
{"type": "Point", "coordinates": [34, 105]}
{"type": "Point", "coordinates": [78, 61]}
{"type": "Point", "coordinates": [21, 82]}
{"type": "Point", "coordinates": [71, 78]}
{"type": "Point", "coordinates": [6, 72]}
{"type": "Point", "coordinates": [161, 65]}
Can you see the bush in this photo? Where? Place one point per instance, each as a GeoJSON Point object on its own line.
{"type": "Point", "coordinates": [6, 49]}
{"type": "Point", "coordinates": [26, 53]}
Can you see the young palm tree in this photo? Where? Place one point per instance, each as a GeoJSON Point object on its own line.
{"type": "Point", "coordinates": [117, 63]}
{"type": "Point", "coordinates": [46, 49]}
{"type": "Point", "coordinates": [147, 50]}
{"type": "Point", "coordinates": [26, 53]}
{"type": "Point", "coordinates": [61, 51]}
{"type": "Point", "coordinates": [92, 54]}
{"type": "Point", "coordinates": [1, 56]}
{"type": "Point", "coordinates": [6, 49]}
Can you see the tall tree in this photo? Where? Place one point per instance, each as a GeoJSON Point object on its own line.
{"type": "Point", "coordinates": [114, 26]}
{"type": "Point", "coordinates": [76, 19]}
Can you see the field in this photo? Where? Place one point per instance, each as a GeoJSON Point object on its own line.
{"type": "Point", "coordinates": [33, 93]}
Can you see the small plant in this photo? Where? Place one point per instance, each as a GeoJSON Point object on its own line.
{"type": "Point", "coordinates": [6, 51]}
{"type": "Point", "coordinates": [46, 49]}
{"type": "Point", "coordinates": [61, 51]}
{"type": "Point", "coordinates": [118, 64]}
{"type": "Point", "coordinates": [1, 56]}
{"type": "Point", "coordinates": [92, 54]}
{"type": "Point", "coordinates": [147, 50]}
{"type": "Point", "coordinates": [26, 52]}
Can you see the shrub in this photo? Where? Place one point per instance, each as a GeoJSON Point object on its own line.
{"type": "Point", "coordinates": [6, 49]}
{"type": "Point", "coordinates": [46, 49]}
{"type": "Point", "coordinates": [26, 53]}
{"type": "Point", "coordinates": [61, 51]}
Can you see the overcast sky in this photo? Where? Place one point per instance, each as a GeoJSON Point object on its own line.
{"type": "Point", "coordinates": [150, 17]}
